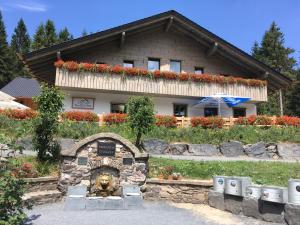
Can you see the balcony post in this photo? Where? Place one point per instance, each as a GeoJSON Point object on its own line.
{"type": "Point", "coordinates": [281, 102]}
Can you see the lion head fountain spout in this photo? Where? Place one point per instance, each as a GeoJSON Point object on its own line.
{"type": "Point", "coordinates": [106, 185]}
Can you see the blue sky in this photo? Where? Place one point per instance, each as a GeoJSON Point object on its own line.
{"type": "Point", "coordinates": [240, 22]}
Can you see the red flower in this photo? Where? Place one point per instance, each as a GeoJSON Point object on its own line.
{"type": "Point", "coordinates": [19, 114]}
{"type": "Point", "coordinates": [80, 116]}
{"type": "Point", "coordinates": [131, 71]}
{"type": "Point", "coordinates": [184, 76]}
{"type": "Point", "coordinates": [117, 69]}
{"type": "Point", "coordinates": [59, 63]}
{"type": "Point", "coordinates": [166, 121]}
{"type": "Point", "coordinates": [288, 121]}
{"type": "Point", "coordinates": [71, 66]}
{"type": "Point", "coordinates": [114, 118]}
{"type": "Point", "coordinates": [157, 74]}
{"type": "Point", "coordinates": [103, 68]}
{"type": "Point", "coordinates": [207, 122]}
{"type": "Point", "coordinates": [169, 75]}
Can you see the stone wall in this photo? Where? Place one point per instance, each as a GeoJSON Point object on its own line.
{"type": "Point", "coordinates": [181, 191]}
{"type": "Point", "coordinates": [41, 184]}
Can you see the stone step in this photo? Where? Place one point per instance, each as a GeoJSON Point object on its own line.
{"type": "Point", "coordinates": [43, 197]}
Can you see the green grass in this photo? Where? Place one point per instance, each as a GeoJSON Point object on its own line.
{"type": "Point", "coordinates": [270, 173]}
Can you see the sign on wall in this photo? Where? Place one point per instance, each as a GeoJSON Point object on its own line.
{"type": "Point", "coordinates": [83, 103]}
{"type": "Point", "coordinates": [106, 148]}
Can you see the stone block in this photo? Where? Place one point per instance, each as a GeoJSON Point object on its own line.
{"type": "Point", "coordinates": [75, 203]}
{"type": "Point", "coordinates": [288, 151]}
{"type": "Point", "coordinates": [233, 204]}
{"type": "Point", "coordinates": [155, 146]}
{"type": "Point", "coordinates": [272, 212]}
{"type": "Point", "coordinates": [216, 200]}
{"type": "Point", "coordinates": [178, 148]}
{"type": "Point", "coordinates": [134, 201]}
{"type": "Point", "coordinates": [251, 207]}
{"type": "Point", "coordinates": [114, 202]}
{"type": "Point", "coordinates": [257, 150]}
{"type": "Point", "coordinates": [292, 214]}
{"type": "Point", "coordinates": [203, 150]}
{"type": "Point", "coordinates": [130, 189]}
{"type": "Point", "coordinates": [77, 191]}
{"type": "Point", "coordinates": [94, 203]}
{"type": "Point", "coordinates": [232, 149]}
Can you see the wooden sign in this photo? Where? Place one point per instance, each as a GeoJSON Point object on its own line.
{"type": "Point", "coordinates": [106, 148]}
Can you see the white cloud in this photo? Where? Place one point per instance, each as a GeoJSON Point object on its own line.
{"type": "Point", "coordinates": [30, 6]}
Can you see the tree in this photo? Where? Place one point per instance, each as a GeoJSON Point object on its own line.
{"type": "Point", "coordinates": [50, 34]}
{"type": "Point", "coordinates": [84, 33]}
{"type": "Point", "coordinates": [49, 105]}
{"type": "Point", "coordinates": [64, 35]}
{"type": "Point", "coordinates": [140, 116]}
{"type": "Point", "coordinates": [20, 44]}
{"type": "Point", "coordinates": [20, 41]}
{"type": "Point", "coordinates": [39, 38]}
{"type": "Point", "coordinates": [272, 52]}
{"type": "Point", "coordinates": [293, 98]}
{"type": "Point", "coordinates": [6, 57]}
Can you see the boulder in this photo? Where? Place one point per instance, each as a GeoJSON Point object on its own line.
{"type": "Point", "coordinates": [288, 151]}
{"type": "Point", "coordinates": [233, 204]}
{"type": "Point", "coordinates": [178, 148]}
{"type": "Point", "coordinates": [251, 207]}
{"type": "Point", "coordinates": [272, 212]}
{"type": "Point", "coordinates": [232, 148]}
{"type": "Point", "coordinates": [216, 200]}
{"type": "Point", "coordinates": [155, 146]}
{"type": "Point", "coordinates": [203, 150]}
{"type": "Point", "coordinates": [291, 214]}
{"type": "Point", "coordinates": [257, 150]}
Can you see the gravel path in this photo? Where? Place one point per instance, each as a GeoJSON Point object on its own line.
{"type": "Point", "coordinates": [153, 213]}
{"type": "Point", "coordinates": [220, 158]}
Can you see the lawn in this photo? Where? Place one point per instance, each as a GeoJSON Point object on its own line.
{"type": "Point", "coordinates": [270, 173]}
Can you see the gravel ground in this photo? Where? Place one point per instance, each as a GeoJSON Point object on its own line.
{"type": "Point", "coordinates": [153, 213]}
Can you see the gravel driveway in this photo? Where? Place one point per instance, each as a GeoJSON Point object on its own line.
{"type": "Point", "coordinates": [153, 213]}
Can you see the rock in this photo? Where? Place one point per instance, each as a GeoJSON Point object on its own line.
{"type": "Point", "coordinates": [232, 148]}
{"type": "Point", "coordinates": [203, 150]}
{"type": "Point", "coordinates": [216, 200]}
{"type": "Point", "coordinates": [25, 143]}
{"type": "Point", "coordinates": [257, 150]}
{"type": "Point", "coordinates": [291, 214]}
{"type": "Point", "coordinates": [66, 143]}
{"type": "Point", "coordinates": [288, 151]}
{"type": "Point", "coordinates": [155, 146]}
{"type": "Point", "coordinates": [272, 212]}
{"type": "Point", "coordinates": [251, 207]}
{"type": "Point", "coordinates": [178, 148]}
{"type": "Point", "coordinates": [233, 204]}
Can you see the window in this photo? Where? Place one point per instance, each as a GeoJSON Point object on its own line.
{"type": "Point", "coordinates": [175, 66]}
{"type": "Point", "coordinates": [239, 112]}
{"type": "Point", "coordinates": [117, 108]}
{"type": "Point", "coordinates": [199, 70]}
{"type": "Point", "coordinates": [210, 112]}
{"type": "Point", "coordinates": [153, 64]}
{"type": "Point", "coordinates": [128, 64]}
{"type": "Point", "coordinates": [180, 110]}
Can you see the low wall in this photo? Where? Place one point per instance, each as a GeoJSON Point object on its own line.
{"type": "Point", "coordinates": [181, 191]}
{"type": "Point", "coordinates": [41, 184]}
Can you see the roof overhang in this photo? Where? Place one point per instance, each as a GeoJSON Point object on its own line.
{"type": "Point", "coordinates": [41, 62]}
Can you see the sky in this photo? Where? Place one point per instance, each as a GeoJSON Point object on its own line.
{"type": "Point", "coordinates": [240, 22]}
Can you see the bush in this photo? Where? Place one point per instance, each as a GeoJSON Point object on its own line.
{"type": "Point", "coordinates": [114, 118]}
{"type": "Point", "coordinates": [19, 114]}
{"type": "Point", "coordinates": [207, 122]}
{"type": "Point", "coordinates": [254, 120]}
{"type": "Point", "coordinates": [11, 204]}
{"type": "Point", "coordinates": [80, 116]}
{"type": "Point", "coordinates": [140, 116]}
{"type": "Point", "coordinates": [166, 121]}
{"type": "Point", "coordinates": [288, 121]}
{"type": "Point", "coordinates": [49, 105]}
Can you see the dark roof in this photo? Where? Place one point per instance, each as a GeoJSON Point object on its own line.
{"type": "Point", "coordinates": [41, 61]}
{"type": "Point", "coordinates": [22, 87]}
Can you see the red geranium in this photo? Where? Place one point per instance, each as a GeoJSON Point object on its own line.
{"type": "Point", "coordinates": [114, 118]}
{"type": "Point", "coordinates": [207, 122]}
{"type": "Point", "coordinates": [59, 63]}
{"type": "Point", "coordinates": [288, 121]}
{"type": "Point", "coordinates": [80, 116]}
{"type": "Point", "coordinates": [184, 76]}
{"type": "Point", "coordinates": [19, 114]}
{"type": "Point", "coordinates": [166, 121]}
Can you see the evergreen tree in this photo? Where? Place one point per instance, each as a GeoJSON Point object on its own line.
{"type": "Point", "coordinates": [6, 59]}
{"type": "Point", "coordinates": [272, 52]}
{"type": "Point", "coordinates": [64, 35]}
{"type": "Point", "coordinates": [84, 33]}
{"type": "Point", "coordinates": [39, 38]}
{"type": "Point", "coordinates": [50, 34]}
{"type": "Point", "coordinates": [20, 44]}
{"type": "Point", "coordinates": [293, 98]}
{"type": "Point", "coordinates": [20, 41]}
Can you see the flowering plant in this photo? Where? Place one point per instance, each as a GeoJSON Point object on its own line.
{"type": "Point", "coordinates": [254, 120]}
{"type": "Point", "coordinates": [19, 114]}
{"type": "Point", "coordinates": [114, 118]}
{"type": "Point", "coordinates": [207, 122]}
{"type": "Point", "coordinates": [288, 121]}
{"type": "Point", "coordinates": [24, 171]}
{"type": "Point", "coordinates": [165, 120]}
{"type": "Point", "coordinates": [80, 116]}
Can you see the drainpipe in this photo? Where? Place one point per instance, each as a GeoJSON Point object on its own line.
{"type": "Point", "coordinates": [280, 102]}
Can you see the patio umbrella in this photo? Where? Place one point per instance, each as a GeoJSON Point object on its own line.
{"type": "Point", "coordinates": [11, 105]}
{"type": "Point", "coordinates": [220, 98]}
{"type": "Point", "coordinates": [5, 97]}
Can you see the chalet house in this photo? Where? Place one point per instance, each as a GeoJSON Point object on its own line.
{"type": "Point", "coordinates": [165, 56]}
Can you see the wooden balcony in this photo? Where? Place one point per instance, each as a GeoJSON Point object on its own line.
{"type": "Point", "coordinates": [161, 87]}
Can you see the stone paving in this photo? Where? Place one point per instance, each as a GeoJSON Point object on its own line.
{"type": "Point", "coordinates": [153, 213]}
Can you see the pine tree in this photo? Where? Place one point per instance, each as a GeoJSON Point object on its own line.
{"type": "Point", "coordinates": [64, 35]}
{"type": "Point", "coordinates": [6, 59]}
{"type": "Point", "coordinates": [50, 34]}
{"type": "Point", "coordinates": [20, 41]}
{"type": "Point", "coordinates": [293, 98]}
{"type": "Point", "coordinates": [84, 33]}
{"type": "Point", "coordinates": [39, 38]}
{"type": "Point", "coordinates": [272, 52]}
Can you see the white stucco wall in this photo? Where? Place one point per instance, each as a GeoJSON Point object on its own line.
{"type": "Point", "coordinates": [162, 105]}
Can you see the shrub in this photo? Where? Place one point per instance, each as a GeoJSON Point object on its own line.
{"type": "Point", "coordinates": [49, 105]}
{"type": "Point", "coordinates": [207, 122]}
{"type": "Point", "coordinates": [140, 116]}
{"type": "Point", "coordinates": [287, 121]}
{"type": "Point", "coordinates": [114, 118]}
{"type": "Point", "coordinates": [24, 170]}
{"type": "Point", "coordinates": [80, 116]}
{"type": "Point", "coordinates": [263, 120]}
{"type": "Point", "coordinates": [19, 114]}
{"type": "Point", "coordinates": [242, 121]}
{"type": "Point", "coordinates": [254, 120]}
{"type": "Point", "coordinates": [166, 121]}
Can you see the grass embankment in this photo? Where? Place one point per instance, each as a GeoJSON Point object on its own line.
{"type": "Point", "coordinates": [270, 173]}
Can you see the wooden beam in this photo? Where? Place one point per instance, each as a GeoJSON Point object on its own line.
{"type": "Point", "coordinates": [170, 22]}
{"type": "Point", "coordinates": [122, 41]}
{"type": "Point", "coordinates": [281, 102]}
{"type": "Point", "coordinates": [212, 50]}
